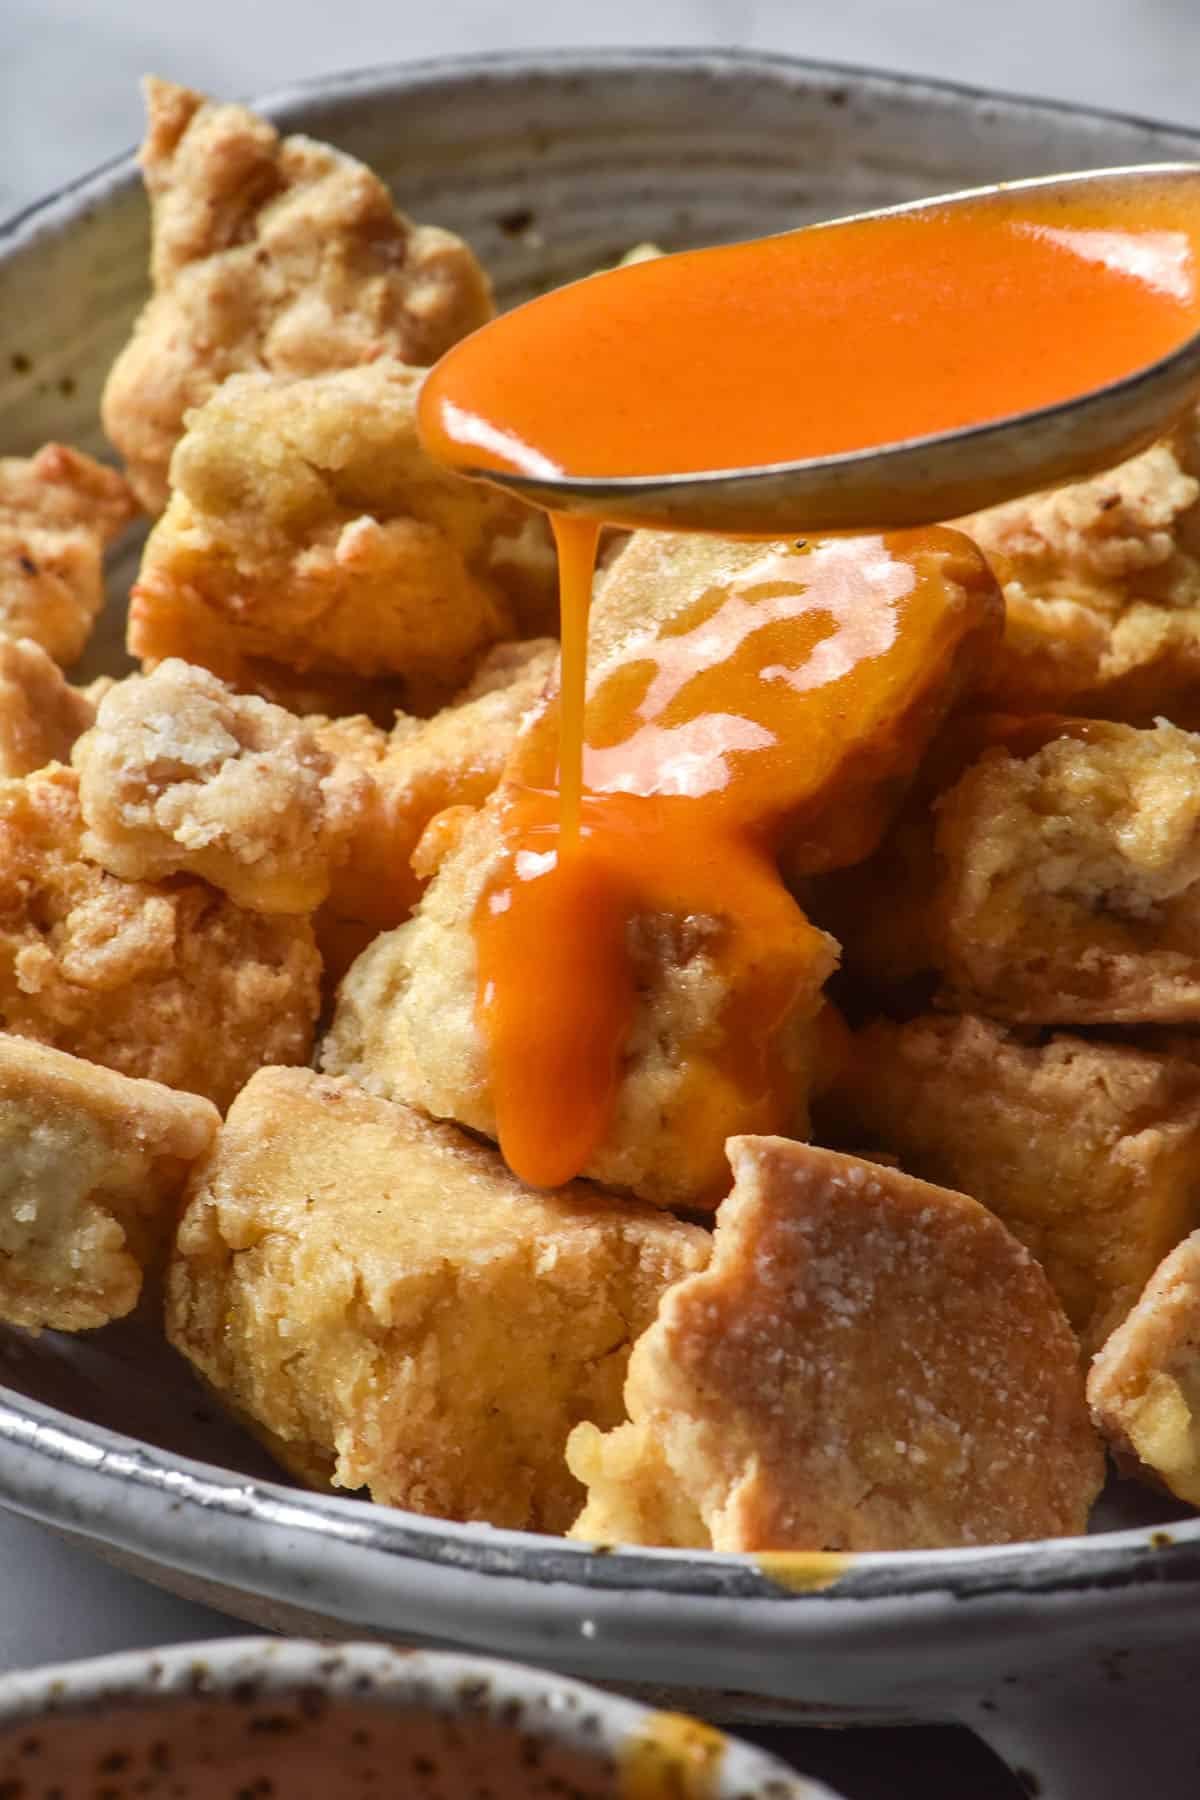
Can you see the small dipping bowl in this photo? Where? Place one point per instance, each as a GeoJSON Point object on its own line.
{"type": "Point", "coordinates": [284, 1719]}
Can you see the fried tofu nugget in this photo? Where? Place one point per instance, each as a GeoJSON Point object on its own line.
{"type": "Point", "coordinates": [41, 714]}
{"type": "Point", "coordinates": [269, 253]}
{"type": "Point", "coordinates": [1055, 882]}
{"type": "Point", "coordinates": [91, 1166]}
{"type": "Point", "coordinates": [868, 1363]}
{"type": "Point", "coordinates": [58, 512]}
{"type": "Point", "coordinates": [1101, 584]}
{"type": "Point", "coordinates": [384, 1300]}
{"type": "Point", "coordinates": [180, 775]}
{"type": "Point", "coordinates": [425, 765]}
{"type": "Point", "coordinates": [405, 1027]}
{"type": "Point", "coordinates": [1144, 1386]}
{"type": "Point", "coordinates": [1088, 1151]}
{"type": "Point", "coordinates": [169, 981]}
{"type": "Point", "coordinates": [309, 529]}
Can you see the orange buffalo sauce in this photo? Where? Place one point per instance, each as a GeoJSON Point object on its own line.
{"type": "Point", "coordinates": [697, 764]}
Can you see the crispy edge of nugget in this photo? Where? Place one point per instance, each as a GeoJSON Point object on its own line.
{"type": "Point", "coordinates": [1144, 1384]}
{"type": "Point", "coordinates": [41, 714]}
{"type": "Point", "coordinates": [378, 1290]}
{"type": "Point", "coordinates": [867, 1363]}
{"type": "Point", "coordinates": [91, 1165]}
{"type": "Point", "coordinates": [1085, 1150]}
{"type": "Point", "coordinates": [59, 510]}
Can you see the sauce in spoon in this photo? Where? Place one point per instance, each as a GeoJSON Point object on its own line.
{"type": "Point", "coordinates": [816, 343]}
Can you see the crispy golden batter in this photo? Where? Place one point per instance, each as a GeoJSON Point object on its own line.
{"type": "Point", "coordinates": [405, 1026]}
{"type": "Point", "coordinates": [181, 776]}
{"type": "Point", "coordinates": [1088, 1151]}
{"type": "Point", "coordinates": [1071, 890]}
{"type": "Point", "coordinates": [454, 759]}
{"type": "Point", "coordinates": [91, 1165]}
{"type": "Point", "coordinates": [58, 512]}
{"type": "Point", "coordinates": [41, 714]}
{"type": "Point", "coordinates": [1056, 882]}
{"type": "Point", "coordinates": [308, 528]}
{"type": "Point", "coordinates": [1101, 582]}
{"type": "Point", "coordinates": [169, 981]}
{"type": "Point", "coordinates": [868, 1363]}
{"type": "Point", "coordinates": [384, 1299]}
{"type": "Point", "coordinates": [1144, 1386]}
{"type": "Point", "coordinates": [269, 253]}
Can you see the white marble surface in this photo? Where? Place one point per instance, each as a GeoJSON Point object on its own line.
{"type": "Point", "coordinates": [68, 71]}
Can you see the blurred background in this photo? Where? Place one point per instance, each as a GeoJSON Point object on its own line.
{"type": "Point", "coordinates": [69, 68]}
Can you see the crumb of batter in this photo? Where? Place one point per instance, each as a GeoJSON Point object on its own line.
{"type": "Point", "coordinates": [59, 510]}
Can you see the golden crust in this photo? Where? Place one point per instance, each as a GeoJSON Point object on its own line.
{"type": "Point", "coordinates": [1054, 882]}
{"type": "Point", "coordinates": [454, 759]}
{"type": "Point", "coordinates": [58, 512]}
{"type": "Point", "coordinates": [405, 1026]}
{"type": "Point", "coordinates": [180, 775]}
{"type": "Point", "coordinates": [168, 981]}
{"type": "Point", "coordinates": [1070, 891]}
{"type": "Point", "coordinates": [308, 529]}
{"type": "Point", "coordinates": [868, 1363]}
{"type": "Point", "coordinates": [380, 1294]}
{"type": "Point", "coordinates": [269, 253]}
{"type": "Point", "coordinates": [1086, 1150]}
{"type": "Point", "coordinates": [41, 714]}
{"type": "Point", "coordinates": [91, 1165]}
{"type": "Point", "coordinates": [1101, 583]}
{"type": "Point", "coordinates": [1144, 1386]}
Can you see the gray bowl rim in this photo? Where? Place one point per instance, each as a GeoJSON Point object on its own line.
{"type": "Point", "coordinates": [237, 1515]}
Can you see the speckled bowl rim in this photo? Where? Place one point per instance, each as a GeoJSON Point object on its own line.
{"type": "Point", "coordinates": [240, 1674]}
{"type": "Point", "coordinates": [140, 1500]}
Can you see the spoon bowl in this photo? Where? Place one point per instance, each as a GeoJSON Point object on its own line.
{"type": "Point", "coordinates": [919, 480]}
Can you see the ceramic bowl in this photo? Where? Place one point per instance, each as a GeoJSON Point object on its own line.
{"type": "Point", "coordinates": [553, 165]}
{"type": "Point", "coordinates": [257, 1717]}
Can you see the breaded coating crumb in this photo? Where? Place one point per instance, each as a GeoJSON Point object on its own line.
{"type": "Point", "coordinates": [405, 1026]}
{"type": "Point", "coordinates": [1056, 881]}
{"type": "Point", "coordinates": [181, 776]}
{"type": "Point", "coordinates": [58, 512]}
{"type": "Point", "coordinates": [269, 253]}
{"type": "Point", "coordinates": [1144, 1386]}
{"type": "Point", "coordinates": [454, 759]}
{"type": "Point", "coordinates": [1101, 583]}
{"type": "Point", "coordinates": [1071, 884]}
{"type": "Point", "coordinates": [41, 714]}
{"type": "Point", "coordinates": [384, 1300]}
{"type": "Point", "coordinates": [169, 981]}
{"type": "Point", "coordinates": [1087, 1151]}
{"type": "Point", "coordinates": [91, 1165]}
{"type": "Point", "coordinates": [309, 529]}
{"type": "Point", "coordinates": [868, 1363]}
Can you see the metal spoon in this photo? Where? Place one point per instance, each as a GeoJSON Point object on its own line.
{"type": "Point", "coordinates": [919, 480]}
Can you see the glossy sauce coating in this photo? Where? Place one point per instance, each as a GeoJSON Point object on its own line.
{"type": "Point", "coordinates": [769, 721]}
{"type": "Point", "coordinates": [830, 339]}
{"type": "Point", "coordinates": [728, 727]}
